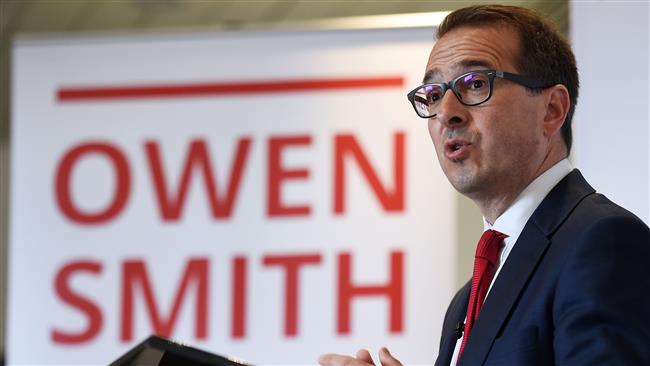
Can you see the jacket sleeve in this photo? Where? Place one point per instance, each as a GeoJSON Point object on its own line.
{"type": "Point", "coordinates": [601, 308]}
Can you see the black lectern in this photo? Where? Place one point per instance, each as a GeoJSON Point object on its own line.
{"type": "Point", "coordinates": [157, 351]}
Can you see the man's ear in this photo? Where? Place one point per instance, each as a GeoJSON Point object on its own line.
{"type": "Point", "coordinates": [557, 108]}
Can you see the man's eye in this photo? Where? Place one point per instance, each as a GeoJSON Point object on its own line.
{"type": "Point", "coordinates": [477, 84]}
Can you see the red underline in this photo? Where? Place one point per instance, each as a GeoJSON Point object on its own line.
{"type": "Point", "coordinates": [72, 94]}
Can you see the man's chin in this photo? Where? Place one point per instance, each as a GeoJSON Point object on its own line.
{"type": "Point", "coordinates": [465, 184]}
{"type": "Point", "coordinates": [464, 189]}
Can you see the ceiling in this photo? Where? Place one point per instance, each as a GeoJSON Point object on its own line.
{"type": "Point", "coordinates": [63, 16]}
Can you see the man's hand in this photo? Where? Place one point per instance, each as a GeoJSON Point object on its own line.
{"type": "Point", "coordinates": [362, 359]}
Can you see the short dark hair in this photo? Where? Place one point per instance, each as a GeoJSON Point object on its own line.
{"type": "Point", "coordinates": [545, 55]}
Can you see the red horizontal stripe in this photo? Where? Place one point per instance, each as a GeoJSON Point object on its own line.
{"type": "Point", "coordinates": [69, 94]}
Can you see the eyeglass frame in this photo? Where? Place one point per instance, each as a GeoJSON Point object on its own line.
{"type": "Point", "coordinates": [491, 74]}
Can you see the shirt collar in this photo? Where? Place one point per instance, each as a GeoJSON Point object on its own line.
{"type": "Point", "coordinates": [513, 220]}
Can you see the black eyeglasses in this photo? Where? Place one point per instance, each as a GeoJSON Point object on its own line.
{"type": "Point", "coordinates": [472, 88]}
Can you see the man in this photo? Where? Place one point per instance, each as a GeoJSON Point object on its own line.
{"type": "Point", "coordinates": [567, 271]}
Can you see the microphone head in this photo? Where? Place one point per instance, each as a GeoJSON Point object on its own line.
{"type": "Point", "coordinates": [460, 328]}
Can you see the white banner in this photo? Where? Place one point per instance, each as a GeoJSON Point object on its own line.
{"type": "Point", "coordinates": [269, 196]}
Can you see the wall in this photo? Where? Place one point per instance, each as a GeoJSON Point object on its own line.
{"type": "Point", "coordinates": [611, 43]}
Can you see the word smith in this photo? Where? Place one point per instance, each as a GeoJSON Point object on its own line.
{"type": "Point", "coordinates": [194, 286]}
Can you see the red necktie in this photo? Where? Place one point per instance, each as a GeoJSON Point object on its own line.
{"type": "Point", "coordinates": [487, 253]}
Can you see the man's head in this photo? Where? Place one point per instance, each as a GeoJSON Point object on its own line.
{"type": "Point", "coordinates": [492, 150]}
{"type": "Point", "coordinates": [544, 54]}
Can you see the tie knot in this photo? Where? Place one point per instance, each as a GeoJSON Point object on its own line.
{"type": "Point", "coordinates": [489, 245]}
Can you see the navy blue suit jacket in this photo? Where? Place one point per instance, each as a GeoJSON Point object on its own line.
{"type": "Point", "coordinates": [575, 289]}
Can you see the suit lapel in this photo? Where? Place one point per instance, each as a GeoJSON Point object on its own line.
{"type": "Point", "coordinates": [519, 267]}
{"type": "Point", "coordinates": [456, 314]}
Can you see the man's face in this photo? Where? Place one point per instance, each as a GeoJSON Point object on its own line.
{"type": "Point", "coordinates": [495, 149]}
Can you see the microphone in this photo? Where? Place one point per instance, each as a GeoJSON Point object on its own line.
{"type": "Point", "coordinates": [460, 328]}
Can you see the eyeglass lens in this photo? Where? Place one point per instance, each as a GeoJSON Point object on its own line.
{"type": "Point", "coordinates": [471, 89]}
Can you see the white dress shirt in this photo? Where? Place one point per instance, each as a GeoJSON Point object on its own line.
{"type": "Point", "coordinates": [513, 220]}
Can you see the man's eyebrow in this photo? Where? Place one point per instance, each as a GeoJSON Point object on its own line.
{"type": "Point", "coordinates": [463, 66]}
{"type": "Point", "coordinates": [466, 64]}
{"type": "Point", "coordinates": [429, 75]}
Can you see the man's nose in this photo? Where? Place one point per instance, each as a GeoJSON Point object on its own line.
{"type": "Point", "coordinates": [451, 112]}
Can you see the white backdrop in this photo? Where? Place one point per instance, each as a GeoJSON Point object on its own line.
{"type": "Point", "coordinates": [612, 121]}
{"type": "Point", "coordinates": [106, 249]}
